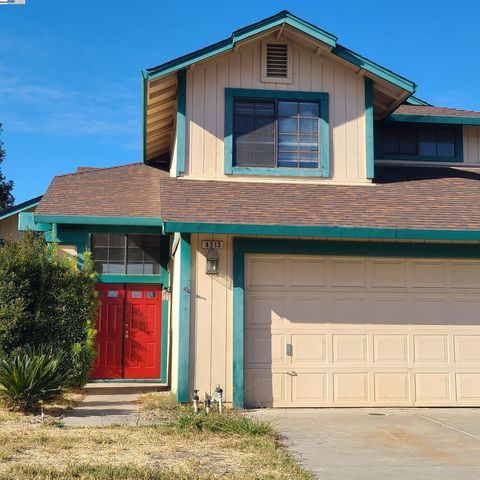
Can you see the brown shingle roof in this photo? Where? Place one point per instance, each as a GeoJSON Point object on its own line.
{"type": "Point", "coordinates": [435, 111]}
{"type": "Point", "coordinates": [123, 191]}
{"type": "Point", "coordinates": [403, 197]}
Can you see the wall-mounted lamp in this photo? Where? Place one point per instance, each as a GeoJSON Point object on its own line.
{"type": "Point", "coordinates": [212, 261]}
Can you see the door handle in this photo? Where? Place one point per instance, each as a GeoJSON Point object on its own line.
{"type": "Point", "coordinates": [291, 373]}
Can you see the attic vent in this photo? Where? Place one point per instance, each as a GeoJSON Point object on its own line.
{"type": "Point", "coordinates": [277, 60]}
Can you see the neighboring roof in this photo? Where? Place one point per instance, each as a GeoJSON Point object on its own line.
{"type": "Point", "coordinates": [283, 17]}
{"type": "Point", "coordinates": [21, 207]}
{"type": "Point", "coordinates": [124, 191]}
{"type": "Point", "coordinates": [402, 198]}
{"type": "Point", "coordinates": [427, 113]}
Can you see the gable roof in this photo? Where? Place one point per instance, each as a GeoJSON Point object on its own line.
{"type": "Point", "coordinates": [124, 191]}
{"type": "Point", "coordinates": [164, 86]}
{"type": "Point", "coordinates": [21, 207]}
{"type": "Point", "coordinates": [287, 18]}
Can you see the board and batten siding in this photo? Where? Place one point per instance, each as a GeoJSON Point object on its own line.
{"type": "Point", "coordinates": [206, 85]}
{"type": "Point", "coordinates": [471, 145]}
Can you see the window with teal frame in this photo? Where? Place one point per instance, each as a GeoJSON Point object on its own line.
{"type": "Point", "coordinates": [424, 142]}
{"type": "Point", "coordinates": [272, 132]}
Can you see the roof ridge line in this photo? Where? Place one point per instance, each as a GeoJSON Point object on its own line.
{"type": "Point", "coordinates": [96, 169]}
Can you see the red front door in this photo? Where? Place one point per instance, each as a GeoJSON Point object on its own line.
{"type": "Point", "coordinates": [143, 318]}
{"type": "Point", "coordinates": [128, 332]}
{"type": "Point", "coordinates": [108, 363]}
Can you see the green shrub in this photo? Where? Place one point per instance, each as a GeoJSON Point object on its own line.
{"type": "Point", "coordinates": [31, 377]}
{"type": "Point", "coordinates": [47, 303]}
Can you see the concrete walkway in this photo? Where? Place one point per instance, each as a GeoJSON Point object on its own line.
{"type": "Point", "coordinates": [397, 444]}
{"type": "Point", "coordinates": [109, 404]}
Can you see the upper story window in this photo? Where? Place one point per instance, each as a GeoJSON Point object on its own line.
{"type": "Point", "coordinates": [276, 133]}
{"type": "Point", "coordinates": [423, 142]}
{"type": "Point", "coordinates": [129, 254]}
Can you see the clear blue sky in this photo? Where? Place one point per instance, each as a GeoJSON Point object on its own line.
{"type": "Point", "coordinates": [70, 69]}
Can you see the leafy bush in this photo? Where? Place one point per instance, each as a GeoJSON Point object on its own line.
{"type": "Point", "coordinates": [46, 303]}
{"type": "Point", "coordinates": [31, 377]}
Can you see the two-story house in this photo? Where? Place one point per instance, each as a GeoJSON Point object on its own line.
{"type": "Point", "coordinates": [302, 230]}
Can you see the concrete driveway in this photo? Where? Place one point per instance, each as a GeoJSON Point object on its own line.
{"type": "Point", "coordinates": [391, 444]}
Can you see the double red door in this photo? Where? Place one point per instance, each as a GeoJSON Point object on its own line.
{"type": "Point", "coordinates": [128, 331]}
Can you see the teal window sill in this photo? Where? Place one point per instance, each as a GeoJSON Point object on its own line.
{"type": "Point", "coordinates": [110, 278]}
{"type": "Point", "coordinates": [281, 172]}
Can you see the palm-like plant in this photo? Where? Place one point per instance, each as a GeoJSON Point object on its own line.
{"type": "Point", "coordinates": [30, 377]}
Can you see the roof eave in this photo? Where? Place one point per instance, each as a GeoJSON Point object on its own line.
{"type": "Point", "coordinates": [21, 207]}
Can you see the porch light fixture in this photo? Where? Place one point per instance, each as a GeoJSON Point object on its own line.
{"type": "Point", "coordinates": [212, 261]}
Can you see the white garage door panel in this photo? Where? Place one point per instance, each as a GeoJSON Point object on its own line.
{"type": "Point", "coordinates": [361, 332]}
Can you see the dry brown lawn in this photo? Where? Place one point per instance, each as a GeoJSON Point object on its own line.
{"type": "Point", "coordinates": [173, 444]}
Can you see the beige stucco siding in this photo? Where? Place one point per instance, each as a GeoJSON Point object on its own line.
{"type": "Point", "coordinates": [206, 85]}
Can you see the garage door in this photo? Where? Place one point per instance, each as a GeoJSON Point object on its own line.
{"type": "Point", "coordinates": [349, 331]}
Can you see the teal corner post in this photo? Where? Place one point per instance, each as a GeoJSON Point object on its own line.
{"type": "Point", "coordinates": [164, 259]}
{"type": "Point", "coordinates": [184, 319]}
{"type": "Point", "coordinates": [181, 120]}
{"type": "Point", "coordinates": [238, 324]}
{"type": "Point", "coordinates": [369, 127]}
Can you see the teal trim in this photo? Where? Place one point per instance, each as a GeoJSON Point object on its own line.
{"type": "Point", "coordinates": [184, 319]}
{"type": "Point", "coordinates": [144, 117]}
{"type": "Point", "coordinates": [323, 127]}
{"type": "Point", "coordinates": [281, 18]}
{"type": "Point", "coordinates": [374, 68]}
{"type": "Point", "coordinates": [238, 325]}
{"type": "Point", "coordinates": [132, 380]}
{"type": "Point", "coordinates": [26, 221]}
{"type": "Point", "coordinates": [110, 278]}
{"type": "Point", "coordinates": [181, 120]}
{"type": "Point", "coordinates": [244, 246]}
{"type": "Point", "coordinates": [164, 341]}
{"type": "Point", "coordinates": [323, 231]}
{"type": "Point", "coordinates": [99, 220]}
{"type": "Point", "coordinates": [399, 117]}
{"type": "Point", "coordinates": [369, 127]}
{"type": "Point", "coordinates": [458, 158]}
{"type": "Point", "coordinates": [417, 101]}
{"type": "Point", "coordinates": [21, 207]}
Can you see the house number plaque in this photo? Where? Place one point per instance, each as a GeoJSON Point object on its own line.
{"type": "Point", "coordinates": [216, 244]}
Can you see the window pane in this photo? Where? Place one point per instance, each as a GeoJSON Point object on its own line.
{"type": "Point", "coordinates": [135, 269]}
{"type": "Point", "coordinates": [287, 109]}
{"type": "Point", "coordinates": [100, 267]}
{"type": "Point", "coordinates": [100, 253]}
{"type": "Point", "coordinates": [116, 254]}
{"type": "Point", "coordinates": [445, 149]}
{"type": "Point", "coordinates": [116, 240]}
{"type": "Point", "coordinates": [408, 141]}
{"type": "Point", "coordinates": [153, 240]}
{"type": "Point", "coordinates": [287, 125]}
{"type": "Point", "coordinates": [135, 255]}
{"type": "Point", "coordinates": [390, 143]}
{"type": "Point", "coordinates": [309, 125]}
{"type": "Point", "coordinates": [254, 136]}
{"type": "Point", "coordinates": [135, 240]}
{"type": "Point", "coordinates": [308, 109]}
{"type": "Point", "coordinates": [100, 239]}
{"type": "Point", "coordinates": [118, 268]}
